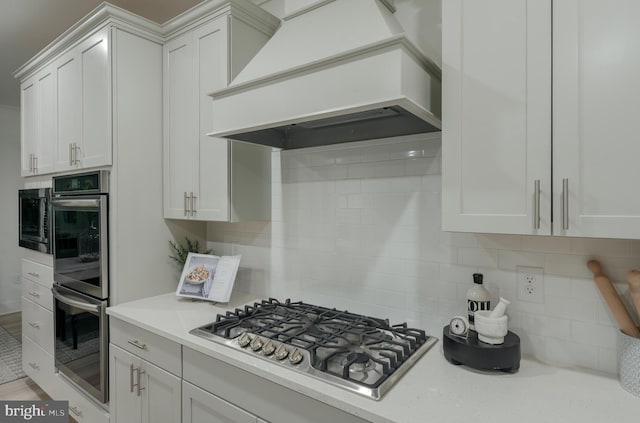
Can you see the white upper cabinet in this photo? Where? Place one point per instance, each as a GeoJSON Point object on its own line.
{"type": "Point", "coordinates": [95, 81]}
{"type": "Point", "coordinates": [205, 177]}
{"type": "Point", "coordinates": [67, 71]}
{"type": "Point", "coordinates": [38, 122]}
{"type": "Point", "coordinates": [84, 104]}
{"type": "Point", "coordinates": [28, 125]}
{"type": "Point", "coordinates": [66, 110]}
{"type": "Point", "coordinates": [498, 141]}
{"type": "Point", "coordinates": [595, 118]}
{"type": "Point", "coordinates": [181, 163]}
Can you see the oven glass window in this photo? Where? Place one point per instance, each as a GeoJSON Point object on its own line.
{"type": "Point", "coordinates": [77, 343]}
{"type": "Point", "coordinates": [77, 244]}
{"type": "Point", "coordinates": [30, 209]}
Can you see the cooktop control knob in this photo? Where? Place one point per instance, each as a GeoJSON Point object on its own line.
{"type": "Point", "coordinates": [256, 344]}
{"type": "Point", "coordinates": [295, 357]}
{"type": "Point", "coordinates": [268, 348]}
{"type": "Point", "coordinates": [244, 340]}
{"type": "Point", "coordinates": [281, 352]}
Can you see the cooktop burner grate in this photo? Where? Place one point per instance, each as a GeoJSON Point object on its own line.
{"type": "Point", "coordinates": [344, 348]}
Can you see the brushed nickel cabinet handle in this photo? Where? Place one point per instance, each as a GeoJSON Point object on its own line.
{"type": "Point", "coordinates": [185, 203]}
{"type": "Point", "coordinates": [34, 294]}
{"type": "Point", "coordinates": [34, 325]}
{"type": "Point", "coordinates": [565, 204]}
{"type": "Point", "coordinates": [193, 204]}
{"type": "Point", "coordinates": [70, 154]}
{"type": "Point", "coordinates": [35, 275]}
{"type": "Point", "coordinates": [137, 344]}
{"type": "Point", "coordinates": [76, 411]}
{"type": "Point", "coordinates": [536, 203]}
{"type": "Point", "coordinates": [131, 378]}
{"type": "Point", "coordinates": [34, 366]}
{"type": "Point", "coordinates": [35, 163]}
{"type": "Point", "coordinates": [76, 149]}
{"type": "Point", "coordinates": [139, 384]}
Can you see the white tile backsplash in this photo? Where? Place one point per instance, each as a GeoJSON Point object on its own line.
{"type": "Point", "coordinates": [357, 226]}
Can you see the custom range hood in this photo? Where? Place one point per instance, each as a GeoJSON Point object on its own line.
{"type": "Point", "coordinates": [335, 71]}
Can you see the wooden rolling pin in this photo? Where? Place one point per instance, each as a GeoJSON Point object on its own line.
{"type": "Point", "coordinates": [613, 300]}
{"type": "Point", "coordinates": [633, 279]}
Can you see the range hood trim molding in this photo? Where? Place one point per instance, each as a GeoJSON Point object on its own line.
{"type": "Point", "coordinates": [397, 40]}
{"type": "Point", "coordinates": [403, 102]}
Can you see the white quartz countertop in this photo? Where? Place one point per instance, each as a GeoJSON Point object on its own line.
{"type": "Point", "coordinates": [432, 390]}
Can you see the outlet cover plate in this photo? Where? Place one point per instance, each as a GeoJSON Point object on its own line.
{"type": "Point", "coordinates": [530, 284]}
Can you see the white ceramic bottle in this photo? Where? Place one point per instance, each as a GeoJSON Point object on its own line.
{"type": "Point", "coordinates": [478, 298]}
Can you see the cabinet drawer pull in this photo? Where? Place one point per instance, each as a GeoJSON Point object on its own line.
{"type": "Point", "coordinates": [35, 275]}
{"type": "Point", "coordinates": [70, 154]}
{"type": "Point", "coordinates": [34, 294]}
{"type": "Point", "coordinates": [565, 204]}
{"type": "Point", "coordinates": [35, 163]}
{"type": "Point", "coordinates": [34, 325]}
{"type": "Point", "coordinates": [193, 204]}
{"type": "Point", "coordinates": [34, 366]}
{"type": "Point", "coordinates": [76, 149]}
{"type": "Point", "coordinates": [131, 385]}
{"type": "Point", "coordinates": [139, 384]}
{"type": "Point", "coordinates": [76, 411]}
{"type": "Point", "coordinates": [536, 204]}
{"type": "Point", "coordinates": [137, 344]}
{"type": "Point", "coordinates": [185, 203]}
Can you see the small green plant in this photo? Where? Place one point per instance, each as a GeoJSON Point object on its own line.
{"type": "Point", "coordinates": [179, 252]}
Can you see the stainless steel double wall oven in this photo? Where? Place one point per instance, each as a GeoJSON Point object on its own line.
{"type": "Point", "coordinates": [80, 205]}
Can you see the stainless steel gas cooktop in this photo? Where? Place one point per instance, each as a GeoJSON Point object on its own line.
{"type": "Point", "coordinates": [359, 353]}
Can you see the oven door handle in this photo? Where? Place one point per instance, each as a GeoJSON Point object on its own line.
{"type": "Point", "coordinates": [76, 202]}
{"type": "Point", "coordinates": [75, 303]}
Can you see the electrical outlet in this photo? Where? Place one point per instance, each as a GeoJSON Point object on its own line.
{"type": "Point", "coordinates": [530, 284]}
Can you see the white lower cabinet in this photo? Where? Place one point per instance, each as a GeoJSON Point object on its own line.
{"type": "Point", "coordinates": [192, 387]}
{"type": "Point", "coordinates": [240, 396]}
{"type": "Point", "coordinates": [38, 364]}
{"type": "Point", "coordinates": [141, 391]}
{"type": "Point", "coordinates": [144, 376]}
{"type": "Point", "coordinates": [199, 406]}
{"type": "Point", "coordinates": [37, 324]}
{"type": "Point", "coordinates": [81, 408]}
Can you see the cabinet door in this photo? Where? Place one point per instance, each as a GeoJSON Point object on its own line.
{"type": "Point", "coordinates": [95, 86]}
{"type": "Point", "coordinates": [496, 140]}
{"type": "Point", "coordinates": [69, 110]}
{"type": "Point", "coordinates": [47, 110]}
{"type": "Point", "coordinates": [161, 395]}
{"type": "Point", "coordinates": [28, 125]}
{"type": "Point", "coordinates": [125, 405]}
{"type": "Point", "coordinates": [200, 406]}
{"type": "Point", "coordinates": [595, 118]}
{"type": "Point", "coordinates": [211, 47]}
{"type": "Point", "coordinates": [38, 123]}
{"type": "Point", "coordinates": [180, 126]}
